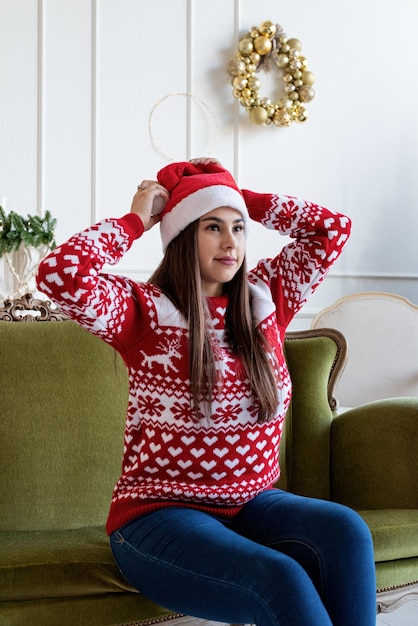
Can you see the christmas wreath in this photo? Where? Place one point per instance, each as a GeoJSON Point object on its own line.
{"type": "Point", "coordinates": [260, 49]}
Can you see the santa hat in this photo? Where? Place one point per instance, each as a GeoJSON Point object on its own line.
{"type": "Point", "coordinates": [194, 191]}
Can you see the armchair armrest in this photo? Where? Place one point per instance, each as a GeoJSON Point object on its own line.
{"type": "Point", "coordinates": [373, 455]}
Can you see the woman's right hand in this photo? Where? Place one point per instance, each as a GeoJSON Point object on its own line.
{"type": "Point", "coordinates": [149, 201]}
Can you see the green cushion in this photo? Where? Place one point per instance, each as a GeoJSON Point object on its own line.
{"type": "Point", "coordinates": [42, 564]}
{"type": "Point", "coordinates": [61, 440]}
{"type": "Point", "coordinates": [66, 577]}
{"type": "Point", "coordinates": [395, 533]}
{"type": "Point", "coordinates": [392, 574]}
{"type": "Point", "coordinates": [112, 609]}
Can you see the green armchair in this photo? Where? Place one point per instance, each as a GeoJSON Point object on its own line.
{"type": "Point", "coordinates": [63, 395]}
{"type": "Point", "coordinates": [364, 458]}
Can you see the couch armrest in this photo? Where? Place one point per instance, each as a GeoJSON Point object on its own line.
{"type": "Point", "coordinates": [316, 359]}
{"type": "Point", "coordinates": [373, 455]}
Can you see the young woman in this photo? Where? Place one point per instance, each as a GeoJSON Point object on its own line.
{"type": "Point", "coordinates": [195, 522]}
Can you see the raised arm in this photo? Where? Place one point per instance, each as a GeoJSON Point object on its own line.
{"type": "Point", "coordinates": [72, 275]}
{"type": "Point", "coordinates": [319, 237]}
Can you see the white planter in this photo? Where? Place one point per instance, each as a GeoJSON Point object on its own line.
{"type": "Point", "coordinates": [18, 270]}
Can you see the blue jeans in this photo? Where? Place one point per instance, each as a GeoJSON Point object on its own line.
{"type": "Point", "coordinates": [283, 560]}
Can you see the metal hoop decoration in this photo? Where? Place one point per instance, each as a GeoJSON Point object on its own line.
{"type": "Point", "coordinates": [203, 104]}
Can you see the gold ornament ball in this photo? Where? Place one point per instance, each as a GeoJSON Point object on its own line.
{"type": "Point", "coordinates": [282, 118]}
{"type": "Point", "coordinates": [282, 60]}
{"type": "Point", "coordinates": [254, 83]}
{"type": "Point", "coordinates": [262, 45]}
{"type": "Point", "coordinates": [295, 64]}
{"type": "Point", "coordinates": [301, 115]}
{"type": "Point", "coordinates": [235, 67]}
{"type": "Point", "coordinates": [306, 93]}
{"type": "Point", "coordinates": [239, 82]}
{"type": "Point", "coordinates": [246, 93]}
{"type": "Point", "coordinates": [258, 115]}
{"type": "Point", "coordinates": [246, 46]}
{"type": "Point", "coordinates": [308, 77]}
{"type": "Point", "coordinates": [268, 28]}
{"type": "Point", "coordinates": [284, 103]}
{"type": "Point", "coordinates": [294, 43]}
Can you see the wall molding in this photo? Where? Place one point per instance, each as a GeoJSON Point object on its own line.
{"type": "Point", "coordinates": [336, 285]}
{"type": "Point", "coordinates": [93, 166]}
{"type": "Point", "coordinates": [40, 102]}
{"type": "Point", "coordinates": [145, 271]}
{"type": "Point", "coordinates": [373, 275]}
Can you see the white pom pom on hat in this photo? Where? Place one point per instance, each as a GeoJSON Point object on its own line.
{"type": "Point", "coordinates": [194, 191]}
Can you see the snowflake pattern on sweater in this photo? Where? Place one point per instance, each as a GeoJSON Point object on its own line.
{"type": "Point", "coordinates": [170, 457]}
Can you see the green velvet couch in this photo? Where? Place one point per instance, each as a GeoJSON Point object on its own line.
{"type": "Point", "coordinates": [63, 395]}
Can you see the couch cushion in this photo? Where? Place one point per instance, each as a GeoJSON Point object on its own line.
{"type": "Point", "coordinates": [67, 577]}
{"type": "Point", "coordinates": [396, 574]}
{"type": "Point", "coordinates": [56, 564]}
{"type": "Point", "coordinates": [111, 609]}
{"type": "Point", "coordinates": [394, 531]}
{"type": "Point", "coordinates": [63, 398]}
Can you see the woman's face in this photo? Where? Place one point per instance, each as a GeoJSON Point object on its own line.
{"type": "Point", "coordinates": [221, 248]}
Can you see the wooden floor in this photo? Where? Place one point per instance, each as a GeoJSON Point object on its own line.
{"type": "Point", "coordinates": [406, 615]}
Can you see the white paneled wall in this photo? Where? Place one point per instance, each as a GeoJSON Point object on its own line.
{"type": "Point", "coordinates": [66, 115]}
{"type": "Point", "coordinates": [80, 81]}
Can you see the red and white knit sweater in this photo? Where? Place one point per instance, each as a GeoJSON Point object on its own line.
{"type": "Point", "coordinates": [170, 457]}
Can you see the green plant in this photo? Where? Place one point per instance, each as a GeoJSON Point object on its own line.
{"type": "Point", "coordinates": [16, 230]}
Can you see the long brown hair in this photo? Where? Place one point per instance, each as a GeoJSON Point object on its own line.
{"type": "Point", "coordinates": [178, 276]}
